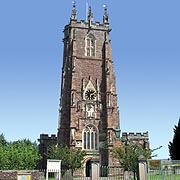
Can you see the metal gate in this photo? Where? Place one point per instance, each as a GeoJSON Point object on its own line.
{"type": "Point", "coordinates": [105, 173]}
{"type": "Point", "coordinates": [163, 170]}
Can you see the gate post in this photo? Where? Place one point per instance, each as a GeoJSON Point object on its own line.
{"type": "Point", "coordinates": [95, 169]}
{"type": "Point", "coordinates": [142, 168]}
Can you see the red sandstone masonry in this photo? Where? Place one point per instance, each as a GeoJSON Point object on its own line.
{"type": "Point", "coordinates": [12, 174]}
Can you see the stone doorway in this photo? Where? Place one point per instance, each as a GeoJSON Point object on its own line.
{"type": "Point", "coordinates": [88, 168]}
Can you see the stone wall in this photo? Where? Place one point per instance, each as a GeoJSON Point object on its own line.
{"type": "Point", "coordinates": [137, 138]}
{"type": "Point", "coordinates": [13, 174]}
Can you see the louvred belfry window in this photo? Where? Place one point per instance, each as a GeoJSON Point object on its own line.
{"type": "Point", "coordinates": [90, 45]}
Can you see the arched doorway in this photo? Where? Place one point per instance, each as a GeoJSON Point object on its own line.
{"type": "Point", "coordinates": [88, 168]}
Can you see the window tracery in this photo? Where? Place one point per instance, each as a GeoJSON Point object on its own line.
{"type": "Point", "coordinates": [90, 47]}
{"type": "Point", "coordinates": [90, 138]}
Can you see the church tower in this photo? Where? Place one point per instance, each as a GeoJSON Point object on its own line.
{"type": "Point", "coordinates": [88, 113]}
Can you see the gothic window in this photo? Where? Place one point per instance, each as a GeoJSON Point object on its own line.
{"type": "Point", "coordinates": [90, 138]}
{"type": "Point", "coordinates": [90, 45]}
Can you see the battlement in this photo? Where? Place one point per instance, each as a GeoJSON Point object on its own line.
{"type": "Point", "coordinates": [135, 136]}
{"type": "Point", "coordinates": [45, 138]}
{"type": "Point", "coordinates": [89, 23]}
{"type": "Point", "coordinates": [82, 24]}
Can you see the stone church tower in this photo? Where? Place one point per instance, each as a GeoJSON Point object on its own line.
{"type": "Point", "coordinates": [88, 114]}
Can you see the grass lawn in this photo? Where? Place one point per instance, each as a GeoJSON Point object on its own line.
{"type": "Point", "coordinates": [168, 177]}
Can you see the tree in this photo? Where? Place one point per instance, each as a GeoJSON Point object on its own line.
{"type": "Point", "coordinates": [21, 154]}
{"type": "Point", "coordinates": [71, 159]}
{"type": "Point", "coordinates": [174, 146]}
{"type": "Point", "coordinates": [128, 156]}
{"type": "Point", "coordinates": [3, 141]}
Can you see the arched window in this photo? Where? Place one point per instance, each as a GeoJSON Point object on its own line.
{"type": "Point", "coordinates": [90, 138]}
{"type": "Point", "coordinates": [90, 45]}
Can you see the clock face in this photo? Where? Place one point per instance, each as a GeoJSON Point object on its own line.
{"type": "Point", "coordinates": [90, 94]}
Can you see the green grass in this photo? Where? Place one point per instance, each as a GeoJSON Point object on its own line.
{"type": "Point", "coordinates": [123, 179]}
{"type": "Point", "coordinates": [168, 177]}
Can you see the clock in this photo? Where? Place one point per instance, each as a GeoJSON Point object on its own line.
{"type": "Point", "coordinates": [90, 94]}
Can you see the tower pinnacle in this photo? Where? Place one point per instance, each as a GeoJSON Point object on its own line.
{"type": "Point", "coordinates": [106, 16]}
{"type": "Point", "coordinates": [90, 16]}
{"type": "Point", "coordinates": [73, 15]}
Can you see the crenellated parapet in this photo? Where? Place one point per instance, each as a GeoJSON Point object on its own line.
{"type": "Point", "coordinates": [132, 135]}
{"type": "Point", "coordinates": [46, 137]}
{"type": "Point", "coordinates": [89, 17]}
{"type": "Point", "coordinates": [137, 138]}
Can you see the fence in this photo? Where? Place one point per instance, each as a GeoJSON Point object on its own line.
{"type": "Point", "coordinates": [152, 170]}
{"type": "Point", "coordinates": [163, 170]}
{"type": "Point", "coordinates": [115, 172]}
{"type": "Point", "coordinates": [106, 173]}
{"type": "Point", "coordinates": [156, 170]}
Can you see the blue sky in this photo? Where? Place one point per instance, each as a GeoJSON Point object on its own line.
{"type": "Point", "coordinates": [146, 52]}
